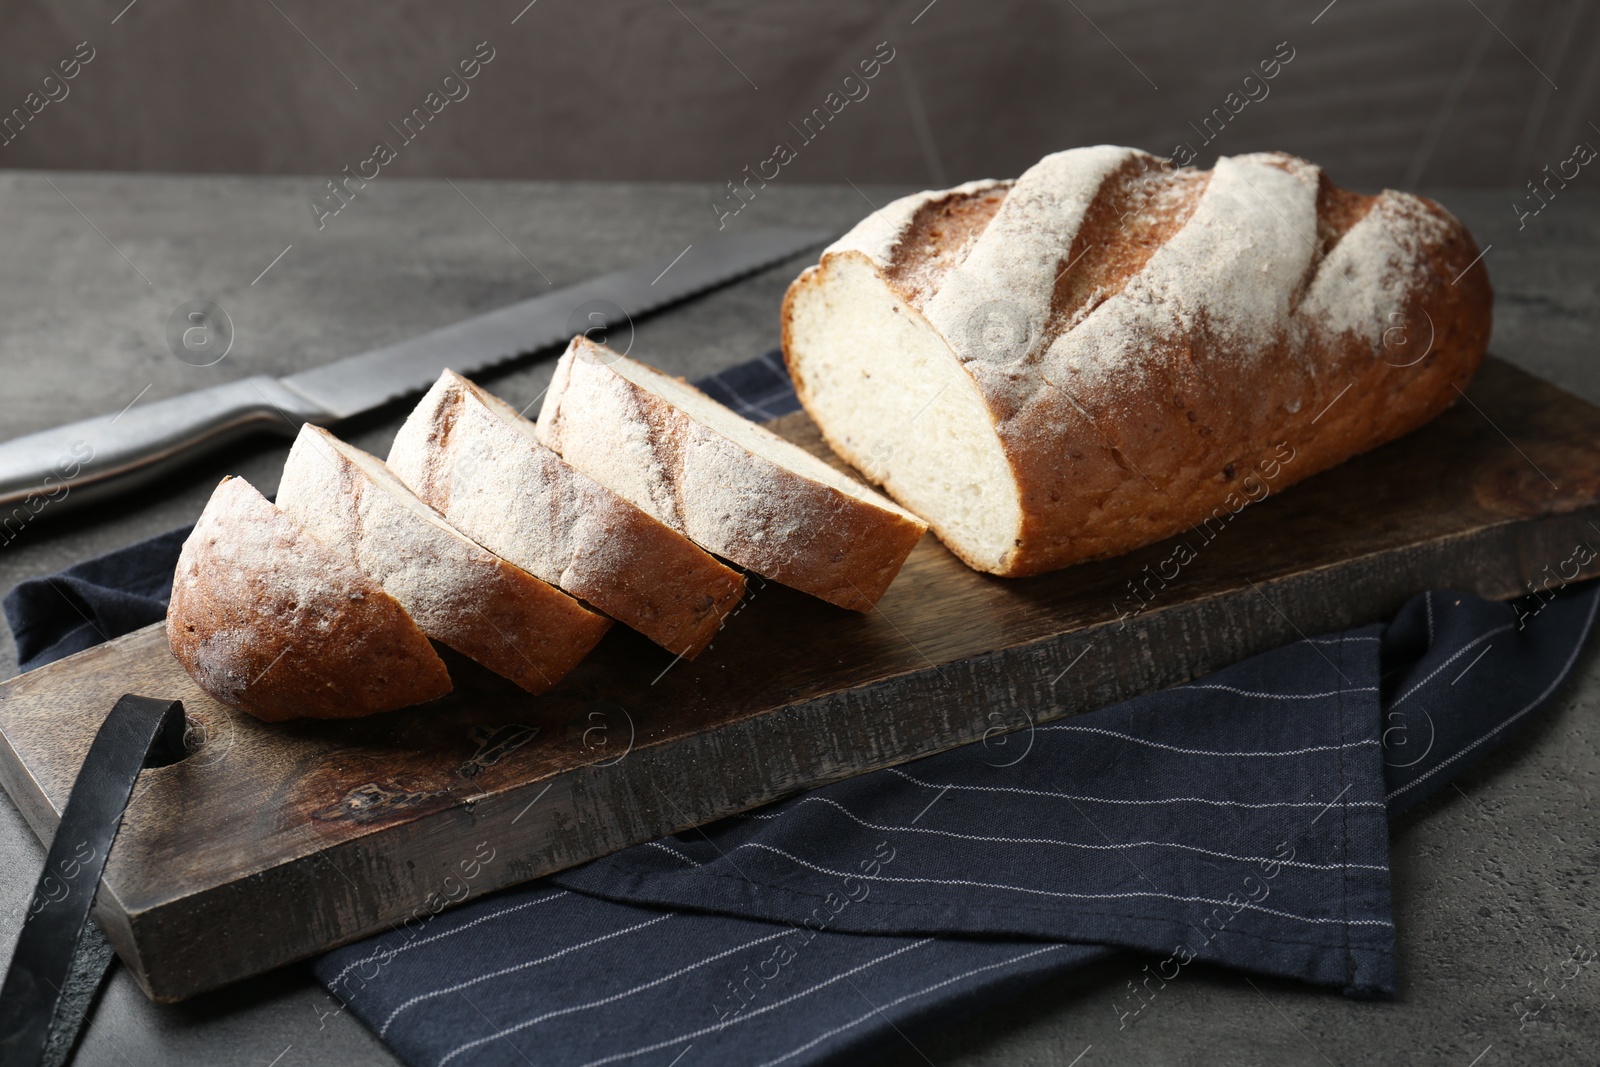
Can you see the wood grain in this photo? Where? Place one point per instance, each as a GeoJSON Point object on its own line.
{"type": "Point", "coordinates": [270, 843]}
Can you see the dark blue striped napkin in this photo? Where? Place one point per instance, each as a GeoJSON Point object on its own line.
{"type": "Point", "coordinates": [1239, 820]}
{"type": "Point", "coordinates": [759, 389]}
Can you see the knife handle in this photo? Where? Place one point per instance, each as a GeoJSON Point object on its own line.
{"type": "Point", "coordinates": [68, 466]}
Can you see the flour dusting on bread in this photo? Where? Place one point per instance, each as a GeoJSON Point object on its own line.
{"type": "Point", "coordinates": [1071, 365]}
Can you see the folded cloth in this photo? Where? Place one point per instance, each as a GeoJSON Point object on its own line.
{"type": "Point", "coordinates": [1239, 820]}
{"type": "Point", "coordinates": [759, 389]}
{"type": "Point", "coordinates": [93, 601]}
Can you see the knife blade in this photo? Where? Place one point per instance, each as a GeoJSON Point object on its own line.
{"type": "Point", "coordinates": [97, 458]}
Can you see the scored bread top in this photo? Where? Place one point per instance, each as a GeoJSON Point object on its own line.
{"type": "Point", "coordinates": [1137, 333]}
{"type": "Point", "coordinates": [1100, 250]}
{"type": "Point", "coordinates": [459, 592]}
{"type": "Point", "coordinates": [267, 618]}
{"type": "Point", "coordinates": [733, 487]}
{"type": "Point", "coordinates": [476, 460]}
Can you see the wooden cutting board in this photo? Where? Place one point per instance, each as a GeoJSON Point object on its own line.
{"type": "Point", "coordinates": [270, 843]}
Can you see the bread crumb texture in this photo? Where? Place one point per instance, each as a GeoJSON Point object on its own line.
{"type": "Point", "coordinates": [731, 486]}
{"type": "Point", "coordinates": [1077, 363]}
{"type": "Point", "coordinates": [266, 618]}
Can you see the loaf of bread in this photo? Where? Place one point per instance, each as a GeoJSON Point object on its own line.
{"type": "Point", "coordinates": [732, 487]}
{"type": "Point", "coordinates": [475, 459]}
{"type": "Point", "coordinates": [1110, 350]}
{"type": "Point", "coordinates": [457, 591]}
{"type": "Point", "coordinates": [267, 618]}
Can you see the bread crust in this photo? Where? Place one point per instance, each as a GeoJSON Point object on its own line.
{"type": "Point", "coordinates": [1115, 445]}
{"type": "Point", "coordinates": [762, 515]}
{"type": "Point", "coordinates": [459, 592]}
{"type": "Point", "coordinates": [266, 618]}
{"type": "Point", "coordinates": [473, 458]}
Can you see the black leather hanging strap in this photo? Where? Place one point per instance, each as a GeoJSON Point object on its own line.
{"type": "Point", "coordinates": [61, 956]}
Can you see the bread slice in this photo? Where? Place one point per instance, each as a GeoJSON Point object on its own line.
{"type": "Point", "coordinates": [459, 592]}
{"type": "Point", "coordinates": [729, 485]}
{"type": "Point", "coordinates": [267, 618]}
{"type": "Point", "coordinates": [1111, 349]}
{"type": "Point", "coordinates": [471, 456]}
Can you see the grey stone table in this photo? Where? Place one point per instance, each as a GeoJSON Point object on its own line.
{"type": "Point", "coordinates": [1494, 883]}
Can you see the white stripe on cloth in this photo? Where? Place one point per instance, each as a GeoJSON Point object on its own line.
{"type": "Point", "coordinates": [897, 1001]}
{"type": "Point", "coordinates": [1463, 650]}
{"type": "Point", "coordinates": [1208, 752]}
{"type": "Point", "coordinates": [1283, 696]}
{"type": "Point", "coordinates": [775, 361]}
{"type": "Point", "coordinates": [658, 981]}
{"type": "Point", "coordinates": [1109, 800]}
{"type": "Point", "coordinates": [1070, 844]}
{"type": "Point", "coordinates": [613, 998]}
{"type": "Point", "coordinates": [518, 967]}
{"type": "Point", "coordinates": [739, 404]}
{"type": "Point", "coordinates": [669, 850]}
{"type": "Point", "coordinates": [757, 408]}
{"type": "Point", "coordinates": [717, 1027]}
{"type": "Point", "coordinates": [1535, 702]}
{"type": "Point", "coordinates": [1057, 893]}
{"type": "Point", "coordinates": [441, 935]}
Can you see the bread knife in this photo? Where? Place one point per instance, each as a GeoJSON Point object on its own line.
{"type": "Point", "coordinates": [98, 458]}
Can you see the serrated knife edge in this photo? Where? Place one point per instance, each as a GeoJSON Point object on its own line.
{"type": "Point", "coordinates": [359, 383]}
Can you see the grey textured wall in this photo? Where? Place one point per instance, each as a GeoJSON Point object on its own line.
{"type": "Point", "coordinates": [1397, 92]}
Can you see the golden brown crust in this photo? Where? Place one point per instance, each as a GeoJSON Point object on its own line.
{"type": "Point", "coordinates": [1142, 207]}
{"type": "Point", "coordinates": [938, 236]}
{"type": "Point", "coordinates": [465, 452]}
{"type": "Point", "coordinates": [770, 518]}
{"type": "Point", "coordinates": [525, 636]}
{"type": "Point", "coordinates": [1188, 430]}
{"type": "Point", "coordinates": [460, 594]}
{"type": "Point", "coordinates": [266, 618]}
{"type": "Point", "coordinates": [1175, 449]}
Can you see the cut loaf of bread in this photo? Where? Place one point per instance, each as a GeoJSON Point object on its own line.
{"type": "Point", "coordinates": [476, 460]}
{"type": "Point", "coordinates": [267, 618]}
{"type": "Point", "coordinates": [733, 487]}
{"type": "Point", "coordinates": [1110, 350]}
{"type": "Point", "coordinates": [459, 592]}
